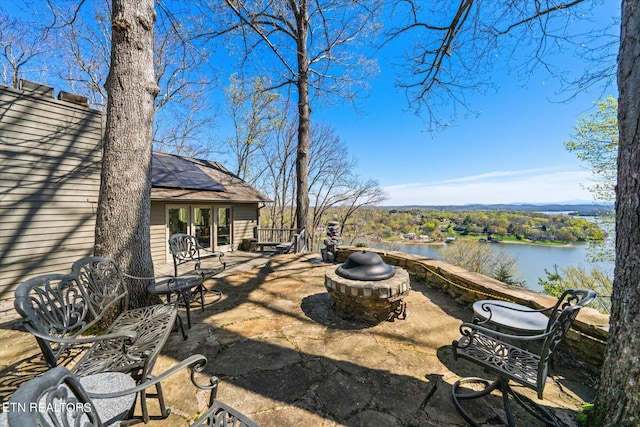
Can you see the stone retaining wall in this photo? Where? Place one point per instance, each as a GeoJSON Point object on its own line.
{"type": "Point", "coordinates": [586, 340]}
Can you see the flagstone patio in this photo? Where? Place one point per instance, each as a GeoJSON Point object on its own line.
{"type": "Point", "coordinates": [285, 359]}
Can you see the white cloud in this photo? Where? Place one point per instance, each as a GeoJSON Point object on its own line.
{"type": "Point", "coordinates": [524, 186]}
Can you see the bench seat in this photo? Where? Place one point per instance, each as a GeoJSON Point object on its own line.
{"type": "Point", "coordinates": [496, 355]}
{"type": "Point", "coordinates": [152, 326]}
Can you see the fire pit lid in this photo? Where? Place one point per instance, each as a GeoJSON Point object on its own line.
{"type": "Point", "coordinates": [365, 265]}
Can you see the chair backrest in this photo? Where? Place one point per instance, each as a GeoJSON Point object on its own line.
{"type": "Point", "coordinates": [55, 398]}
{"type": "Point", "coordinates": [104, 283]}
{"type": "Point", "coordinates": [558, 327]}
{"type": "Point", "coordinates": [184, 248]}
{"type": "Point", "coordinates": [579, 297]}
{"type": "Point", "coordinates": [54, 305]}
{"type": "Point", "coordinates": [58, 398]}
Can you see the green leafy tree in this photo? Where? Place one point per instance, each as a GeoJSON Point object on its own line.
{"type": "Point", "coordinates": [507, 272]}
{"type": "Point", "coordinates": [572, 277]}
{"type": "Point", "coordinates": [595, 142]}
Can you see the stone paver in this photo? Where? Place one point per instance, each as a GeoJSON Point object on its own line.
{"type": "Point", "coordinates": [285, 359]}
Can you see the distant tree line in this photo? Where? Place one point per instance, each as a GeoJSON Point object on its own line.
{"type": "Point", "coordinates": [436, 225]}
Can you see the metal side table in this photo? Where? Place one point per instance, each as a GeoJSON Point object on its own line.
{"type": "Point", "coordinates": [180, 286]}
{"type": "Point", "coordinates": [515, 317]}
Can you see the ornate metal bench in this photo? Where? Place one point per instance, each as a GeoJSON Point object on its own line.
{"type": "Point", "coordinates": [59, 397]}
{"type": "Point", "coordinates": [186, 250]}
{"type": "Point", "coordinates": [63, 312]}
{"type": "Point", "coordinates": [506, 357]}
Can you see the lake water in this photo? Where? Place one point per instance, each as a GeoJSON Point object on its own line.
{"type": "Point", "coordinates": [532, 259]}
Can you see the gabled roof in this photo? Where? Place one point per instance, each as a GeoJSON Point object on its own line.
{"type": "Point", "coordinates": [186, 178]}
{"type": "Point", "coordinates": [177, 172]}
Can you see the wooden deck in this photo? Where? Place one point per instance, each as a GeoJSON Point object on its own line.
{"type": "Point", "coordinates": [236, 261]}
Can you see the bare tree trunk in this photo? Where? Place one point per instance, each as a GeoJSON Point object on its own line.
{"type": "Point", "coordinates": [619, 393]}
{"type": "Point", "coordinates": [123, 216]}
{"type": "Point", "coordinates": [304, 124]}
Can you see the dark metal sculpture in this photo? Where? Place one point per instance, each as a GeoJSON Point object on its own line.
{"type": "Point", "coordinates": [507, 357]}
{"type": "Point", "coordinates": [331, 242]}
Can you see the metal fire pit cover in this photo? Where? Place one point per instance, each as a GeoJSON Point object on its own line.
{"type": "Point", "coordinates": [365, 266]}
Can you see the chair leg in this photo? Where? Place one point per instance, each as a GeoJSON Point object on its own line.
{"type": "Point", "coordinates": [202, 289]}
{"type": "Point", "coordinates": [130, 419]}
{"type": "Point", "coordinates": [164, 411]}
{"type": "Point", "coordinates": [488, 388]}
{"type": "Point", "coordinates": [181, 326]}
{"type": "Point", "coordinates": [187, 306]}
{"type": "Point", "coordinates": [503, 385]}
{"type": "Point", "coordinates": [534, 409]}
{"type": "Point", "coordinates": [143, 406]}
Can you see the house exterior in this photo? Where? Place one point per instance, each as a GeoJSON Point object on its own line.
{"type": "Point", "coordinates": [217, 207]}
{"type": "Point", "coordinates": [50, 160]}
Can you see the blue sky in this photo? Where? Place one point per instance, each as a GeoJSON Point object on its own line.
{"type": "Point", "coordinates": [512, 152]}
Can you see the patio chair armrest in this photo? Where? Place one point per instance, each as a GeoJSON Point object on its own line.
{"type": "Point", "coordinates": [212, 254]}
{"type": "Point", "coordinates": [486, 306]}
{"type": "Point", "coordinates": [195, 363]}
{"type": "Point", "coordinates": [221, 414]}
{"type": "Point", "coordinates": [127, 336]}
{"type": "Point", "coordinates": [468, 329]}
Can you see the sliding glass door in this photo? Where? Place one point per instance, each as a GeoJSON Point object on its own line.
{"type": "Point", "coordinates": [194, 220]}
{"type": "Point", "coordinates": [223, 228]}
{"type": "Point", "coordinates": [177, 220]}
{"type": "Point", "coordinates": [202, 226]}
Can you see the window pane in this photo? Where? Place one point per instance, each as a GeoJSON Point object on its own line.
{"type": "Point", "coordinates": [224, 226]}
{"type": "Point", "coordinates": [178, 220]}
{"type": "Point", "coordinates": [202, 225]}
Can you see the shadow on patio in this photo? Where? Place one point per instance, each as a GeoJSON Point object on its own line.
{"type": "Point", "coordinates": [286, 360]}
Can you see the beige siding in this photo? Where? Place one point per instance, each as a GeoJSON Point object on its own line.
{"type": "Point", "coordinates": [49, 183]}
{"type": "Point", "coordinates": [50, 153]}
{"type": "Point", "coordinates": [158, 234]}
{"type": "Point", "coordinates": [244, 221]}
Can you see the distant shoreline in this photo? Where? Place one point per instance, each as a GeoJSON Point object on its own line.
{"type": "Point", "coordinates": [582, 208]}
{"type": "Point", "coordinates": [508, 242]}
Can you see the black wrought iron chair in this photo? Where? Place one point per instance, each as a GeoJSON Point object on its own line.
{"type": "Point", "coordinates": [63, 312]}
{"type": "Point", "coordinates": [505, 356]}
{"type": "Point", "coordinates": [185, 249]}
{"type": "Point", "coordinates": [58, 397]}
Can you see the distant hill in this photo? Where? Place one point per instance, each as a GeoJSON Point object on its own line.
{"type": "Point", "coordinates": [585, 209]}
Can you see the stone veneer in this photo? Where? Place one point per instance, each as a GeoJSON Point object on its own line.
{"type": "Point", "coordinates": [369, 301]}
{"type": "Point", "coordinates": [588, 335]}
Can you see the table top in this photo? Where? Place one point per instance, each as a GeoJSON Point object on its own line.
{"type": "Point", "coordinates": [175, 284]}
{"type": "Point", "coordinates": [511, 315]}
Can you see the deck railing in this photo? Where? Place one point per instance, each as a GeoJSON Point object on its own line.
{"type": "Point", "coordinates": [295, 239]}
{"type": "Point", "coordinates": [300, 241]}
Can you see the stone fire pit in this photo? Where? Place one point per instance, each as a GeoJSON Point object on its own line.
{"type": "Point", "coordinates": [367, 289]}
